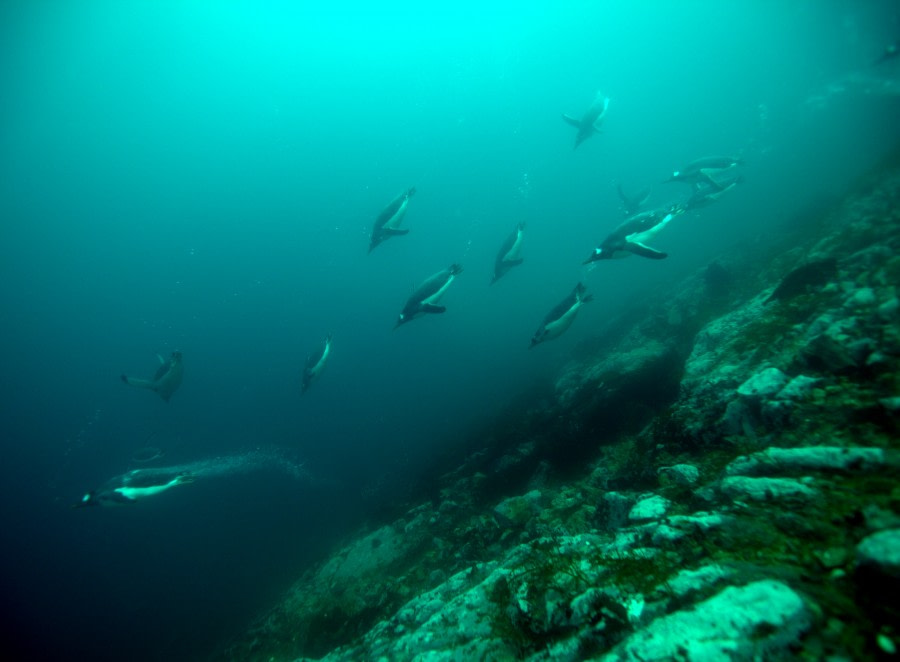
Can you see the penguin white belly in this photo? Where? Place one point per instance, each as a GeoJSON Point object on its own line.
{"type": "Point", "coordinates": [136, 493]}
{"type": "Point", "coordinates": [641, 237]}
{"type": "Point", "coordinates": [434, 298]}
{"type": "Point", "coordinates": [515, 251]}
{"type": "Point", "coordinates": [394, 221]}
{"type": "Point", "coordinates": [320, 364]}
{"type": "Point", "coordinates": [557, 327]}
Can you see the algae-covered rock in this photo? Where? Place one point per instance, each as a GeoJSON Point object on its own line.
{"type": "Point", "coordinates": [763, 384]}
{"type": "Point", "coordinates": [798, 388]}
{"type": "Point", "coordinates": [680, 474]}
{"type": "Point", "coordinates": [812, 458]}
{"type": "Point", "coordinates": [650, 508]}
{"type": "Point", "coordinates": [762, 620]}
{"type": "Point", "coordinates": [517, 510]}
{"type": "Point", "coordinates": [881, 551]}
{"type": "Point", "coordinates": [767, 489]}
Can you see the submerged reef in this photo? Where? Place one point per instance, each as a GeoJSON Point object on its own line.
{"type": "Point", "coordinates": [713, 478]}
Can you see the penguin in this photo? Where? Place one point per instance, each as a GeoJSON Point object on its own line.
{"type": "Point", "coordinates": [129, 491]}
{"type": "Point", "coordinates": [589, 124]}
{"type": "Point", "coordinates": [166, 380]}
{"type": "Point", "coordinates": [425, 298]}
{"type": "Point", "coordinates": [633, 203]}
{"type": "Point", "coordinates": [633, 232]}
{"type": "Point", "coordinates": [510, 253]}
{"type": "Point", "coordinates": [702, 170]}
{"type": "Point", "coordinates": [388, 221]}
{"type": "Point", "coordinates": [315, 363]}
{"type": "Point", "coordinates": [561, 317]}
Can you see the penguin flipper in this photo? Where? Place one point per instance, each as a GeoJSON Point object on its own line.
{"type": "Point", "coordinates": [711, 180]}
{"type": "Point", "coordinates": [513, 263]}
{"type": "Point", "coordinates": [139, 383]}
{"type": "Point", "coordinates": [431, 308]}
{"type": "Point", "coordinates": [645, 251]}
{"type": "Point", "coordinates": [571, 120]}
{"type": "Point", "coordinates": [394, 233]}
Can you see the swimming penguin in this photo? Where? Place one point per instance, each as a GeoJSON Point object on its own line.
{"type": "Point", "coordinates": [702, 170]}
{"type": "Point", "coordinates": [425, 298]}
{"type": "Point", "coordinates": [315, 363]}
{"type": "Point", "coordinates": [630, 236]}
{"type": "Point", "coordinates": [705, 194]}
{"type": "Point", "coordinates": [589, 124]}
{"type": "Point", "coordinates": [561, 317]}
{"type": "Point", "coordinates": [132, 487]}
{"type": "Point", "coordinates": [633, 203]}
{"type": "Point", "coordinates": [387, 224]}
{"type": "Point", "coordinates": [166, 380]}
{"type": "Point", "coordinates": [510, 253]}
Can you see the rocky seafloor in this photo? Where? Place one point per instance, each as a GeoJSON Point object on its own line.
{"type": "Point", "coordinates": [713, 478]}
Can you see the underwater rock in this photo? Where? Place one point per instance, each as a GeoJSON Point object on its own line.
{"type": "Point", "coordinates": [680, 474]}
{"type": "Point", "coordinates": [615, 509]}
{"type": "Point", "coordinates": [836, 349]}
{"type": "Point", "coordinates": [761, 620]}
{"type": "Point", "coordinates": [861, 298]}
{"type": "Point", "coordinates": [881, 551]}
{"type": "Point", "coordinates": [813, 274]}
{"type": "Point", "coordinates": [763, 384]}
{"type": "Point", "coordinates": [677, 527]}
{"type": "Point", "coordinates": [767, 489]}
{"type": "Point", "coordinates": [738, 419]}
{"type": "Point", "coordinates": [798, 388]}
{"type": "Point", "coordinates": [889, 310]}
{"type": "Point", "coordinates": [811, 458]}
{"type": "Point", "coordinates": [650, 508]}
{"type": "Point", "coordinates": [689, 581]}
{"type": "Point", "coordinates": [517, 510]}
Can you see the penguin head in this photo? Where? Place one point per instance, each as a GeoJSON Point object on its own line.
{"type": "Point", "coordinates": [402, 319]}
{"type": "Point", "coordinates": [598, 254]}
{"type": "Point", "coordinates": [89, 499]}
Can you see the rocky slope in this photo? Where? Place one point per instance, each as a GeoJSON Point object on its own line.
{"type": "Point", "coordinates": [714, 478]}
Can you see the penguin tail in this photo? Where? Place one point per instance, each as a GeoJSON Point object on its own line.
{"type": "Point", "coordinates": [124, 378]}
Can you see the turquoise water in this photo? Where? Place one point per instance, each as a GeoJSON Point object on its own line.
{"type": "Point", "coordinates": [204, 176]}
